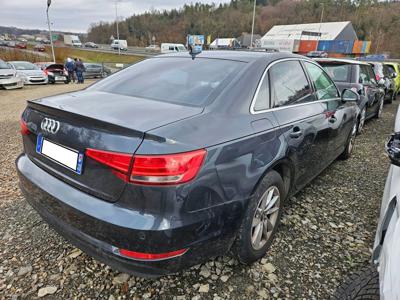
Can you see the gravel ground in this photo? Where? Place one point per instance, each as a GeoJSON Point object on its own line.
{"type": "Point", "coordinates": [327, 232]}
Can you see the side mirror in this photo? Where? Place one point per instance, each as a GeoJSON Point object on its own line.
{"type": "Point", "coordinates": [394, 75]}
{"type": "Point", "coordinates": [393, 148]}
{"type": "Point", "coordinates": [349, 96]}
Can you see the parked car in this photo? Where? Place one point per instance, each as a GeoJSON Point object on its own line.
{"type": "Point", "coordinates": [8, 77]}
{"type": "Point", "coordinates": [96, 70]}
{"type": "Point", "coordinates": [381, 280]}
{"type": "Point", "coordinates": [153, 48]}
{"type": "Point", "coordinates": [394, 69]}
{"type": "Point", "coordinates": [91, 45]}
{"type": "Point", "coordinates": [10, 44]}
{"type": "Point", "coordinates": [20, 45]}
{"type": "Point", "coordinates": [39, 48]}
{"type": "Point", "coordinates": [174, 160]}
{"type": "Point", "coordinates": [29, 73]}
{"type": "Point", "coordinates": [359, 76]}
{"type": "Point", "coordinates": [55, 72]}
{"type": "Point", "coordinates": [386, 79]}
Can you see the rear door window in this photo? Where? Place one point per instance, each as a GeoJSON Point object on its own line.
{"type": "Point", "coordinates": [323, 84]}
{"type": "Point", "coordinates": [338, 72]}
{"type": "Point", "coordinates": [289, 84]}
{"type": "Point", "coordinates": [262, 101]}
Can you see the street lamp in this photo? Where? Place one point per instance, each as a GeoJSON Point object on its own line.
{"type": "Point", "coordinates": [116, 17]}
{"type": "Point", "coordinates": [252, 26]}
{"type": "Point", "coordinates": [51, 35]}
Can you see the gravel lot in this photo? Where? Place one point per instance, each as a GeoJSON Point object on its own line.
{"type": "Point", "coordinates": [327, 232]}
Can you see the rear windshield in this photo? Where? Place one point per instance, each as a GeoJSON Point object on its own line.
{"type": "Point", "coordinates": [338, 72]}
{"type": "Point", "coordinates": [173, 79]}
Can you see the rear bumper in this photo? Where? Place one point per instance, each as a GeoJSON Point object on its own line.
{"type": "Point", "coordinates": [97, 227]}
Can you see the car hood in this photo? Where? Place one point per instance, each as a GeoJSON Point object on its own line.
{"type": "Point", "coordinates": [31, 72]}
{"type": "Point", "coordinates": [125, 111]}
{"type": "Point", "coordinates": [7, 72]}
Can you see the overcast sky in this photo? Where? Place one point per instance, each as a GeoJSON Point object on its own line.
{"type": "Point", "coordinates": [77, 15]}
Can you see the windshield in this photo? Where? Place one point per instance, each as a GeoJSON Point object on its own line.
{"type": "Point", "coordinates": [23, 65]}
{"type": "Point", "coordinates": [4, 65]}
{"type": "Point", "coordinates": [177, 80]}
{"type": "Point", "coordinates": [338, 72]}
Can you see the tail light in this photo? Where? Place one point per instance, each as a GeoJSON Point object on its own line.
{"type": "Point", "coordinates": [65, 72]}
{"type": "Point", "coordinates": [46, 73]}
{"type": "Point", "coordinates": [378, 77]}
{"type": "Point", "coordinates": [24, 128]}
{"type": "Point", "coordinates": [166, 169]}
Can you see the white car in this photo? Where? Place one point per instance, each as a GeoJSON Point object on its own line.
{"type": "Point", "coordinates": [8, 77]}
{"type": "Point", "coordinates": [153, 48]}
{"type": "Point", "coordinates": [172, 48]}
{"type": "Point", "coordinates": [29, 73]}
{"type": "Point", "coordinates": [381, 280]}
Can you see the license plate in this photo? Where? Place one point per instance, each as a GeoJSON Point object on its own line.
{"type": "Point", "coordinates": [64, 156]}
{"type": "Point", "coordinates": [60, 78]}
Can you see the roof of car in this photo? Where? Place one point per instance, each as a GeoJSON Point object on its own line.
{"type": "Point", "coordinates": [239, 55]}
{"type": "Point", "coordinates": [340, 60]}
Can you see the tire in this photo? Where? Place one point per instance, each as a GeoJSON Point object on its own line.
{"type": "Point", "coordinates": [364, 284]}
{"type": "Point", "coordinates": [390, 99]}
{"type": "Point", "coordinates": [245, 246]}
{"type": "Point", "coordinates": [361, 120]}
{"type": "Point", "coordinates": [350, 143]}
{"type": "Point", "coordinates": [378, 113]}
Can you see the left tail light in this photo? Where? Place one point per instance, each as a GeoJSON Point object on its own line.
{"type": "Point", "coordinates": [169, 169]}
{"type": "Point", "coordinates": [24, 128]}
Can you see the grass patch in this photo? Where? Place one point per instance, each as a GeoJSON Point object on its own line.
{"type": "Point", "coordinates": [10, 54]}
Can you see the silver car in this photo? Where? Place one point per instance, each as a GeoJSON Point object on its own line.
{"type": "Point", "coordinates": [8, 77]}
{"type": "Point", "coordinates": [29, 73]}
{"type": "Point", "coordinates": [381, 280]}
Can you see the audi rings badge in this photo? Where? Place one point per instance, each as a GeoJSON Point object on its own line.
{"type": "Point", "coordinates": [50, 125]}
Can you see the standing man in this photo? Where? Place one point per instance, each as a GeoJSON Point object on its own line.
{"type": "Point", "coordinates": [79, 69]}
{"type": "Point", "coordinates": [70, 66]}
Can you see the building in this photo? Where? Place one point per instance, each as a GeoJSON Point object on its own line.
{"type": "Point", "coordinates": [338, 39]}
{"type": "Point", "coordinates": [313, 31]}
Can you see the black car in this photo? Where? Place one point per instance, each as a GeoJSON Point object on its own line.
{"type": "Point", "coordinates": [91, 45]}
{"type": "Point", "coordinates": [55, 72]}
{"type": "Point", "coordinates": [175, 160]}
{"type": "Point", "coordinates": [359, 76]}
{"type": "Point", "coordinates": [386, 80]}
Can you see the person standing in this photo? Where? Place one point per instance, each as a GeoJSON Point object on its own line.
{"type": "Point", "coordinates": [79, 69]}
{"type": "Point", "coordinates": [70, 66]}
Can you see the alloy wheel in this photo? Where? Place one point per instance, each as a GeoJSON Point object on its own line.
{"type": "Point", "coordinates": [352, 139]}
{"type": "Point", "coordinates": [380, 109]}
{"type": "Point", "coordinates": [265, 217]}
{"type": "Point", "coordinates": [362, 121]}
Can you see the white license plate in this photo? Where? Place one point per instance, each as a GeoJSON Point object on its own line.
{"type": "Point", "coordinates": [64, 156]}
{"type": "Point", "coordinates": [60, 78]}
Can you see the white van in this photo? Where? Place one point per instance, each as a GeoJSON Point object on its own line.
{"type": "Point", "coordinates": [170, 48]}
{"type": "Point", "coordinates": [121, 44]}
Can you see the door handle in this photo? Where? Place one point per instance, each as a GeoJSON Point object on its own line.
{"type": "Point", "coordinates": [332, 119]}
{"type": "Point", "coordinates": [296, 133]}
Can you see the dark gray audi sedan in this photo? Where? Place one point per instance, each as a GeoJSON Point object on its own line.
{"type": "Point", "coordinates": [175, 160]}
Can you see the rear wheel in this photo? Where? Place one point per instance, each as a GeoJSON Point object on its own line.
{"type": "Point", "coordinates": [261, 219]}
{"type": "Point", "coordinates": [361, 285]}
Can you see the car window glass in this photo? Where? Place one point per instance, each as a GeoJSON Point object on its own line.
{"type": "Point", "coordinates": [365, 77]}
{"type": "Point", "coordinates": [289, 83]}
{"type": "Point", "coordinates": [338, 72]}
{"type": "Point", "coordinates": [386, 71]}
{"type": "Point", "coordinates": [390, 69]}
{"type": "Point", "coordinates": [176, 80]}
{"type": "Point", "coordinates": [262, 97]}
{"type": "Point", "coordinates": [324, 86]}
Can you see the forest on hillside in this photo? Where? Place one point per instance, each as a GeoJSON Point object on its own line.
{"type": "Point", "coordinates": [376, 21]}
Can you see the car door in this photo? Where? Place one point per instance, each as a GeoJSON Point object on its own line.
{"type": "Point", "coordinates": [340, 115]}
{"type": "Point", "coordinates": [301, 118]}
{"type": "Point", "coordinates": [371, 89]}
